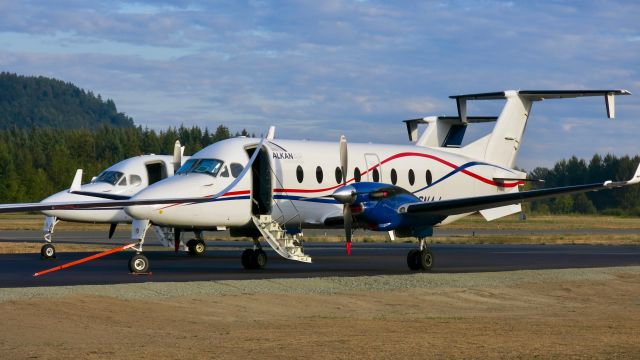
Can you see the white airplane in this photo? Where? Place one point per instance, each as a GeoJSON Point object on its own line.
{"type": "Point", "coordinates": [402, 189]}
{"type": "Point", "coordinates": [119, 181]}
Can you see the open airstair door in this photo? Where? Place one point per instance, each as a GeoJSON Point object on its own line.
{"type": "Point", "coordinates": [261, 189]}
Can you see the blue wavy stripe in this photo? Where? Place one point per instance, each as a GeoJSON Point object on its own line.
{"type": "Point", "coordinates": [457, 170]}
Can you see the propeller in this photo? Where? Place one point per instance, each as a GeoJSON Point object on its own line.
{"type": "Point", "coordinates": [345, 195]}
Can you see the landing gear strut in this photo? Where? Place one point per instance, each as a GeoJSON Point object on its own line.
{"type": "Point", "coordinates": [254, 258]}
{"type": "Point", "coordinates": [48, 251]}
{"type": "Point", "coordinates": [139, 264]}
{"type": "Point", "coordinates": [420, 259]}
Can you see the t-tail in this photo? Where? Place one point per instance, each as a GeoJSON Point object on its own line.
{"type": "Point", "coordinates": [501, 146]}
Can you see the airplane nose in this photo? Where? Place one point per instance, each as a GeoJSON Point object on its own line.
{"type": "Point", "coordinates": [140, 212]}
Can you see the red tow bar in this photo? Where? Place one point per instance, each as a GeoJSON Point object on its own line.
{"type": "Point", "coordinates": [84, 260]}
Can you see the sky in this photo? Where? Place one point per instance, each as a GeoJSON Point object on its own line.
{"type": "Point", "coordinates": [319, 69]}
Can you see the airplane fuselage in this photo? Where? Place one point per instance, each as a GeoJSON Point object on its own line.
{"type": "Point", "coordinates": [292, 180]}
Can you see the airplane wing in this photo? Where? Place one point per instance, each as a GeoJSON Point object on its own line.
{"type": "Point", "coordinates": [471, 204]}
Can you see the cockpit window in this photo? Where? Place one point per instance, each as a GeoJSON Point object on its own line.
{"type": "Point", "coordinates": [123, 181]}
{"type": "Point", "coordinates": [224, 172]}
{"type": "Point", "coordinates": [186, 166]}
{"type": "Point", "coordinates": [202, 166]}
{"type": "Point", "coordinates": [109, 177]}
{"type": "Point", "coordinates": [135, 180]}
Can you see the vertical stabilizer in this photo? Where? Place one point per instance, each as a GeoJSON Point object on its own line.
{"type": "Point", "coordinates": [502, 145]}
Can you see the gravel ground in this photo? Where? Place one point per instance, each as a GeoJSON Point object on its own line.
{"type": "Point", "coordinates": [321, 286]}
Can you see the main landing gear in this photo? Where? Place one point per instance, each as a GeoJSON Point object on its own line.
{"type": "Point", "coordinates": [254, 258]}
{"type": "Point", "coordinates": [421, 258]}
{"type": "Point", "coordinates": [197, 246]}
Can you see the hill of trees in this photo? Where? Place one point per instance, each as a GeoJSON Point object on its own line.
{"type": "Point", "coordinates": [35, 102]}
{"type": "Point", "coordinates": [35, 163]}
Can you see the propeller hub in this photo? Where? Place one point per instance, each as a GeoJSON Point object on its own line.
{"type": "Point", "coordinates": [345, 195]}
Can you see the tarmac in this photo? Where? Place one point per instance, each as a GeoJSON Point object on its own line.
{"type": "Point", "coordinates": [222, 261]}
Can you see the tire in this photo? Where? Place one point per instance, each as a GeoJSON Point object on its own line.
{"type": "Point", "coordinates": [139, 264]}
{"type": "Point", "coordinates": [259, 259]}
{"type": "Point", "coordinates": [199, 248]}
{"type": "Point", "coordinates": [425, 259]}
{"type": "Point", "coordinates": [412, 260]}
{"type": "Point", "coordinates": [48, 251]}
{"type": "Point", "coordinates": [247, 256]}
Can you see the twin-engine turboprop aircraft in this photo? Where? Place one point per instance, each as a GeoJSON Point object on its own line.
{"type": "Point", "coordinates": [117, 182]}
{"type": "Point", "coordinates": [276, 188]}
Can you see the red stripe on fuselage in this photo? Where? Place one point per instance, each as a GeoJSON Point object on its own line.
{"type": "Point", "coordinates": [406, 154]}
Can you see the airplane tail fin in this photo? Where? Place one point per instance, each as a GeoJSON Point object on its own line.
{"type": "Point", "coordinates": [502, 144]}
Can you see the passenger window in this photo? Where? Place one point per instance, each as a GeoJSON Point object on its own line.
{"type": "Point", "coordinates": [224, 172]}
{"type": "Point", "coordinates": [376, 175]}
{"type": "Point", "coordinates": [429, 178]}
{"type": "Point", "coordinates": [319, 174]}
{"type": "Point", "coordinates": [338, 175]}
{"type": "Point", "coordinates": [135, 180]}
{"type": "Point", "coordinates": [356, 174]}
{"type": "Point", "coordinates": [299, 174]}
{"type": "Point", "coordinates": [412, 177]}
{"type": "Point", "coordinates": [394, 176]}
{"type": "Point", "coordinates": [236, 169]}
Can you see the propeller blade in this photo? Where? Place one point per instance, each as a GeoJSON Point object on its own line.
{"type": "Point", "coordinates": [112, 229]}
{"type": "Point", "coordinates": [348, 222]}
{"type": "Point", "coordinates": [344, 161]}
{"type": "Point", "coordinates": [176, 239]}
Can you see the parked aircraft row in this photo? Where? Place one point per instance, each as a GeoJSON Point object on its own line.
{"type": "Point", "coordinates": [274, 188]}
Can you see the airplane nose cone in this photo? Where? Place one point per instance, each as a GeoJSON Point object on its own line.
{"type": "Point", "coordinates": [345, 195]}
{"type": "Point", "coordinates": [140, 212]}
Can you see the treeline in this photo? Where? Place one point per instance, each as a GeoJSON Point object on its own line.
{"type": "Point", "coordinates": [34, 102]}
{"type": "Point", "coordinates": [35, 163]}
{"type": "Point", "coordinates": [574, 171]}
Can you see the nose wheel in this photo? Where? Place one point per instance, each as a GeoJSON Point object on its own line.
{"type": "Point", "coordinates": [139, 264]}
{"type": "Point", "coordinates": [48, 251]}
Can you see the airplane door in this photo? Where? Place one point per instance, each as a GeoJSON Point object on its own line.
{"type": "Point", "coordinates": [261, 190]}
{"type": "Point", "coordinates": [372, 161]}
{"type": "Point", "coordinates": [156, 171]}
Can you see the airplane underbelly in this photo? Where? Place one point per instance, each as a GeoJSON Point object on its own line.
{"type": "Point", "coordinates": [91, 215]}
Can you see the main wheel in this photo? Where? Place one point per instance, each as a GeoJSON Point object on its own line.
{"type": "Point", "coordinates": [48, 251]}
{"type": "Point", "coordinates": [247, 258]}
{"type": "Point", "coordinates": [199, 248]}
{"type": "Point", "coordinates": [196, 247]}
{"type": "Point", "coordinates": [139, 264]}
{"type": "Point", "coordinates": [259, 259]}
{"type": "Point", "coordinates": [412, 259]}
{"type": "Point", "coordinates": [425, 259]}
